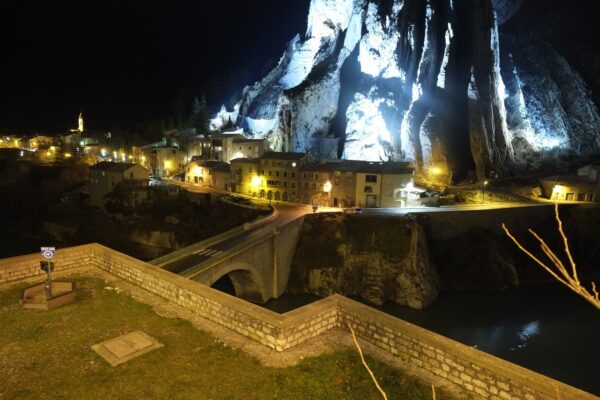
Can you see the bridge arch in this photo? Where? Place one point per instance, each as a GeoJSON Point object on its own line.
{"type": "Point", "coordinates": [246, 280]}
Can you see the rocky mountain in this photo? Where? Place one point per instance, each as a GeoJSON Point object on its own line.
{"type": "Point", "coordinates": [453, 83]}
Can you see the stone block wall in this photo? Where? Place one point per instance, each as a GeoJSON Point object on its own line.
{"type": "Point", "coordinates": [478, 373]}
{"type": "Point", "coordinates": [28, 266]}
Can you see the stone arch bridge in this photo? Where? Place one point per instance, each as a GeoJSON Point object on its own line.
{"type": "Point", "coordinates": [258, 266]}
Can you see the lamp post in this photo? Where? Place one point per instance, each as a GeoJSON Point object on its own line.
{"type": "Point", "coordinates": [483, 194]}
{"type": "Point", "coordinates": [327, 189]}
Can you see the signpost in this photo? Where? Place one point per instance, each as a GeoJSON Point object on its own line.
{"type": "Point", "coordinates": [48, 253]}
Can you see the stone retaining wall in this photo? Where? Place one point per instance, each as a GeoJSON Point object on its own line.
{"type": "Point", "coordinates": [28, 266]}
{"type": "Point", "coordinates": [481, 374]}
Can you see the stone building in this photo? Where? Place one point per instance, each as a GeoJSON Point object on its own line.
{"type": "Point", "coordinates": [244, 175]}
{"type": "Point", "coordinates": [224, 147]}
{"type": "Point", "coordinates": [164, 161]}
{"type": "Point", "coordinates": [215, 174]}
{"type": "Point", "coordinates": [278, 175]}
{"type": "Point", "coordinates": [583, 187]}
{"type": "Point", "coordinates": [126, 184]}
{"type": "Point", "coordinates": [351, 183]}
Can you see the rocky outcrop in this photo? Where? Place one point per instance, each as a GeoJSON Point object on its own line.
{"type": "Point", "coordinates": [356, 255]}
{"type": "Point", "coordinates": [409, 260]}
{"type": "Point", "coordinates": [430, 81]}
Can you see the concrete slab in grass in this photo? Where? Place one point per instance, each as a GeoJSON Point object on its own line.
{"type": "Point", "coordinates": [126, 347]}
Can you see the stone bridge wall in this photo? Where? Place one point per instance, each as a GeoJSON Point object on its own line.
{"type": "Point", "coordinates": [481, 374]}
{"type": "Point", "coordinates": [268, 259]}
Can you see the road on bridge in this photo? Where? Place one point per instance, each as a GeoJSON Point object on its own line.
{"type": "Point", "coordinates": [289, 211]}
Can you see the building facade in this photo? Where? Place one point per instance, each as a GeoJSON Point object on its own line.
{"type": "Point", "coordinates": [128, 182]}
{"type": "Point", "coordinates": [583, 187]}
{"type": "Point", "coordinates": [164, 161]}
{"type": "Point", "coordinates": [215, 174]}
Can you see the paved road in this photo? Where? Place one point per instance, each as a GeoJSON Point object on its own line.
{"type": "Point", "coordinates": [290, 211]}
{"type": "Point", "coordinates": [286, 212]}
{"type": "Point", "coordinates": [455, 208]}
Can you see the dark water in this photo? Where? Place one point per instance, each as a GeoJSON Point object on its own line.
{"type": "Point", "coordinates": [547, 329]}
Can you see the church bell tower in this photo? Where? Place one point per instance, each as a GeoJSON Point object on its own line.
{"type": "Point", "coordinates": [80, 123]}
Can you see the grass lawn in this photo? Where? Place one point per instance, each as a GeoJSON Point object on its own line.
{"type": "Point", "coordinates": [47, 355]}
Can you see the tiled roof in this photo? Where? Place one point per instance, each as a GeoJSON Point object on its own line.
{"type": "Point", "coordinates": [360, 166]}
{"type": "Point", "coordinates": [113, 166]}
{"type": "Point", "coordinates": [275, 155]}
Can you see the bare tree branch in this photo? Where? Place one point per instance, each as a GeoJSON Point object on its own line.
{"type": "Point", "coordinates": [365, 363]}
{"type": "Point", "coordinates": [559, 272]}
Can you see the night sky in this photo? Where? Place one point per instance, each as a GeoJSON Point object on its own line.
{"type": "Point", "coordinates": [127, 62]}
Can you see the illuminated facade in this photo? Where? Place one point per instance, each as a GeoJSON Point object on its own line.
{"type": "Point", "coordinates": [215, 174]}
{"type": "Point", "coordinates": [583, 187]}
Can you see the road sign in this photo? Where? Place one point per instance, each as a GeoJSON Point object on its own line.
{"type": "Point", "coordinates": [48, 252]}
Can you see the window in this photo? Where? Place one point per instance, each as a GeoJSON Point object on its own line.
{"type": "Point", "coordinates": [293, 174]}
{"type": "Point", "coordinates": [249, 170]}
{"type": "Point", "coordinates": [304, 175]}
{"type": "Point", "coordinates": [293, 185]}
{"type": "Point", "coordinates": [580, 196]}
{"type": "Point", "coordinates": [270, 173]}
{"type": "Point", "coordinates": [262, 172]}
{"type": "Point", "coordinates": [285, 174]}
{"type": "Point", "coordinates": [368, 189]}
{"type": "Point", "coordinates": [276, 173]}
{"type": "Point", "coordinates": [284, 184]}
{"type": "Point", "coordinates": [371, 178]}
{"type": "Point", "coordinates": [337, 173]}
{"type": "Point", "coordinates": [316, 176]}
{"type": "Point", "coordinates": [272, 163]}
{"type": "Point", "coordinates": [305, 185]}
{"type": "Point", "coordinates": [570, 196]}
{"type": "Point", "coordinates": [314, 186]}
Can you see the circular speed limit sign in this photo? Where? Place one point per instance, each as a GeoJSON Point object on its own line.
{"type": "Point", "coordinates": [48, 252]}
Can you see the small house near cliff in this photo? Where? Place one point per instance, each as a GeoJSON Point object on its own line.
{"type": "Point", "coordinates": [583, 187]}
{"type": "Point", "coordinates": [122, 183]}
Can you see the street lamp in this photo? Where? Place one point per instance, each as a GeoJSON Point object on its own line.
{"type": "Point", "coordinates": [483, 194]}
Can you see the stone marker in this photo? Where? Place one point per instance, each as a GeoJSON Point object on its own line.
{"type": "Point", "coordinates": [126, 347]}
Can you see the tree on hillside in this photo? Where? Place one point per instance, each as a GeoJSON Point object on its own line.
{"type": "Point", "coordinates": [200, 115]}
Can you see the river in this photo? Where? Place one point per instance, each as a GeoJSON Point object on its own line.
{"type": "Point", "coordinates": [547, 329]}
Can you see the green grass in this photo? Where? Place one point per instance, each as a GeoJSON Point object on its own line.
{"type": "Point", "coordinates": [47, 355]}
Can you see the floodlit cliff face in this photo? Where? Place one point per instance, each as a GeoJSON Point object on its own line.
{"type": "Point", "coordinates": [430, 81]}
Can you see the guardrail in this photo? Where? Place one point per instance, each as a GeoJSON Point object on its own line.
{"type": "Point", "coordinates": [177, 254]}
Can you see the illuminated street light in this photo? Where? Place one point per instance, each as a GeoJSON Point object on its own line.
{"type": "Point", "coordinates": [256, 181]}
{"type": "Point", "coordinates": [483, 194]}
{"type": "Point", "coordinates": [168, 164]}
{"type": "Point", "coordinates": [327, 187]}
{"type": "Point", "coordinates": [436, 171]}
{"type": "Point", "coordinates": [557, 191]}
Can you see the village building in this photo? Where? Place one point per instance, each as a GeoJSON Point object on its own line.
{"type": "Point", "coordinates": [164, 161]}
{"type": "Point", "coordinates": [123, 183]}
{"type": "Point", "coordinates": [245, 177]}
{"type": "Point", "coordinates": [583, 187]}
{"type": "Point", "coordinates": [215, 174]}
{"type": "Point", "coordinates": [278, 175]}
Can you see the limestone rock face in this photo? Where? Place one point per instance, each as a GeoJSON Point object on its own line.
{"type": "Point", "coordinates": [358, 256]}
{"type": "Point", "coordinates": [429, 81]}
